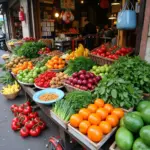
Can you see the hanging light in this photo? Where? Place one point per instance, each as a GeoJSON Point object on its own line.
{"type": "Point", "coordinates": [115, 2]}
{"type": "Point", "coordinates": [56, 14]}
{"type": "Point", "coordinates": [82, 1]}
{"type": "Point", "coordinates": [112, 17]}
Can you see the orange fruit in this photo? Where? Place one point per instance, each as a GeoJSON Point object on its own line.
{"type": "Point", "coordinates": [95, 134]}
{"type": "Point", "coordinates": [92, 108]}
{"type": "Point", "coordinates": [99, 102]}
{"type": "Point", "coordinates": [75, 120]}
{"type": "Point", "coordinates": [102, 112]}
{"type": "Point", "coordinates": [94, 119]}
{"type": "Point", "coordinates": [55, 66]}
{"type": "Point", "coordinates": [83, 127]}
{"type": "Point", "coordinates": [55, 61]}
{"type": "Point", "coordinates": [113, 120]}
{"type": "Point", "coordinates": [118, 112]}
{"type": "Point", "coordinates": [84, 112]}
{"type": "Point", "coordinates": [105, 127]}
{"type": "Point", "coordinates": [60, 66]}
{"type": "Point", "coordinates": [108, 107]}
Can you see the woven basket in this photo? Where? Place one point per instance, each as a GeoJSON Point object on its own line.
{"type": "Point", "coordinates": [70, 88]}
{"type": "Point", "coordinates": [101, 60]}
{"type": "Point", "coordinates": [10, 47]}
{"type": "Point", "coordinates": [11, 96]}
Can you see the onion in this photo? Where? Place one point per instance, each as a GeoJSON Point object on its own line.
{"type": "Point", "coordinates": [71, 79]}
{"type": "Point", "coordinates": [82, 76]}
{"type": "Point", "coordinates": [87, 76]}
{"type": "Point", "coordinates": [98, 78]}
{"type": "Point", "coordinates": [75, 74]}
{"type": "Point", "coordinates": [79, 82]}
{"type": "Point", "coordinates": [90, 81]}
{"type": "Point", "coordinates": [84, 82]}
{"type": "Point", "coordinates": [92, 75]}
{"type": "Point", "coordinates": [77, 86]}
{"type": "Point", "coordinates": [89, 85]}
{"type": "Point", "coordinates": [95, 80]}
{"type": "Point", "coordinates": [75, 80]}
{"type": "Point", "coordinates": [82, 72]}
{"type": "Point", "coordinates": [67, 81]}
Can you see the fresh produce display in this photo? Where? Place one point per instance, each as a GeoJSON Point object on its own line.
{"type": "Point", "coordinates": [80, 63]}
{"type": "Point", "coordinates": [111, 53]}
{"type": "Point", "coordinates": [44, 50]}
{"type": "Point", "coordinates": [29, 39]}
{"type": "Point", "coordinates": [10, 89]}
{"type": "Point", "coordinates": [28, 76]}
{"type": "Point", "coordinates": [30, 49]}
{"type": "Point", "coordinates": [134, 133]}
{"type": "Point", "coordinates": [11, 42]}
{"type": "Point", "coordinates": [27, 122]}
{"type": "Point", "coordinates": [15, 61]}
{"type": "Point", "coordinates": [83, 80]}
{"type": "Point", "coordinates": [20, 67]}
{"type": "Point", "coordinates": [133, 69]}
{"type": "Point", "coordinates": [58, 80]}
{"type": "Point", "coordinates": [100, 70]}
{"type": "Point", "coordinates": [96, 120]}
{"type": "Point", "coordinates": [71, 104]}
{"type": "Point", "coordinates": [55, 63]}
{"type": "Point", "coordinates": [43, 61]}
{"type": "Point", "coordinates": [80, 51]}
{"type": "Point", "coordinates": [118, 92]}
{"type": "Point", "coordinates": [55, 53]}
{"type": "Point", "coordinates": [43, 80]}
{"type": "Point", "coordinates": [6, 78]}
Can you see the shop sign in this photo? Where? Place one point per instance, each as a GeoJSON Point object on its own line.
{"type": "Point", "coordinates": [67, 4]}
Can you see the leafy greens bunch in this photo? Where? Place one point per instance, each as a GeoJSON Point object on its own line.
{"type": "Point", "coordinates": [118, 92]}
{"type": "Point", "coordinates": [30, 49]}
{"type": "Point", "coordinates": [78, 64]}
{"type": "Point", "coordinates": [135, 70]}
{"type": "Point", "coordinates": [71, 104]}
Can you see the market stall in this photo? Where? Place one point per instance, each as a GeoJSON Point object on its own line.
{"type": "Point", "coordinates": [85, 93]}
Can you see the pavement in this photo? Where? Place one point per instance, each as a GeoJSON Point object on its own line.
{"type": "Point", "coordinates": [10, 140]}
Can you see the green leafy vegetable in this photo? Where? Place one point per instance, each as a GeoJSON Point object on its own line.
{"type": "Point", "coordinates": [6, 78]}
{"type": "Point", "coordinates": [71, 104]}
{"type": "Point", "coordinates": [135, 70]}
{"type": "Point", "coordinates": [30, 49]}
{"type": "Point", "coordinates": [119, 93]}
{"type": "Point", "coordinates": [78, 64]}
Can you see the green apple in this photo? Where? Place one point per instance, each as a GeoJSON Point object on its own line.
{"type": "Point", "coordinates": [102, 69]}
{"type": "Point", "coordinates": [97, 71]}
{"type": "Point", "coordinates": [31, 80]}
{"type": "Point", "coordinates": [94, 68]}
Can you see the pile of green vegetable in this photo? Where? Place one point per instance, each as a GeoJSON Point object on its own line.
{"type": "Point", "coordinates": [135, 70]}
{"type": "Point", "coordinates": [43, 62]}
{"type": "Point", "coordinates": [30, 49]}
{"type": "Point", "coordinates": [71, 104]}
{"type": "Point", "coordinates": [134, 133]}
{"type": "Point", "coordinates": [6, 78]}
{"type": "Point", "coordinates": [118, 92]}
{"type": "Point", "coordinates": [78, 64]}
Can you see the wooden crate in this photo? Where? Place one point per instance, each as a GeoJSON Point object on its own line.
{"type": "Point", "coordinates": [113, 147]}
{"type": "Point", "coordinates": [61, 122]}
{"type": "Point", "coordinates": [92, 145]}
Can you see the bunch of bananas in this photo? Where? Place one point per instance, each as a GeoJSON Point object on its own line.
{"type": "Point", "coordinates": [80, 51]}
{"type": "Point", "coordinates": [10, 89]}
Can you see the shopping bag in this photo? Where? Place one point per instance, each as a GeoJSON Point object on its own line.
{"type": "Point", "coordinates": [126, 19]}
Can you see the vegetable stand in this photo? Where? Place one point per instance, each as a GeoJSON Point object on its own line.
{"type": "Point", "coordinates": [64, 133]}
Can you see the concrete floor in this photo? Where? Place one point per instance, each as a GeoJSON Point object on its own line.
{"type": "Point", "coordinates": [10, 140]}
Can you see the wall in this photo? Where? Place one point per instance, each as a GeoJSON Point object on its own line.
{"type": "Point", "coordinates": [25, 24]}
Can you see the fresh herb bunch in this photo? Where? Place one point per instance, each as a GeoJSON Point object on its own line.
{"type": "Point", "coordinates": [71, 104]}
{"type": "Point", "coordinates": [6, 78]}
{"type": "Point", "coordinates": [30, 49]}
{"type": "Point", "coordinates": [3, 67]}
{"type": "Point", "coordinates": [135, 70]}
{"type": "Point", "coordinates": [118, 92]}
{"type": "Point", "coordinates": [78, 64]}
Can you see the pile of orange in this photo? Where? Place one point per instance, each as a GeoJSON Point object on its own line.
{"type": "Point", "coordinates": [55, 63]}
{"type": "Point", "coordinates": [25, 65]}
{"type": "Point", "coordinates": [97, 119]}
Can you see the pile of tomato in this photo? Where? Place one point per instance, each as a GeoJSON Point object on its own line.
{"type": "Point", "coordinates": [113, 52]}
{"type": "Point", "coordinates": [43, 80]}
{"type": "Point", "coordinates": [44, 50]}
{"type": "Point", "coordinates": [97, 119]}
{"type": "Point", "coordinates": [26, 121]}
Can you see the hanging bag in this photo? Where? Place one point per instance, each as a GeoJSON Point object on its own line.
{"type": "Point", "coordinates": [126, 19]}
